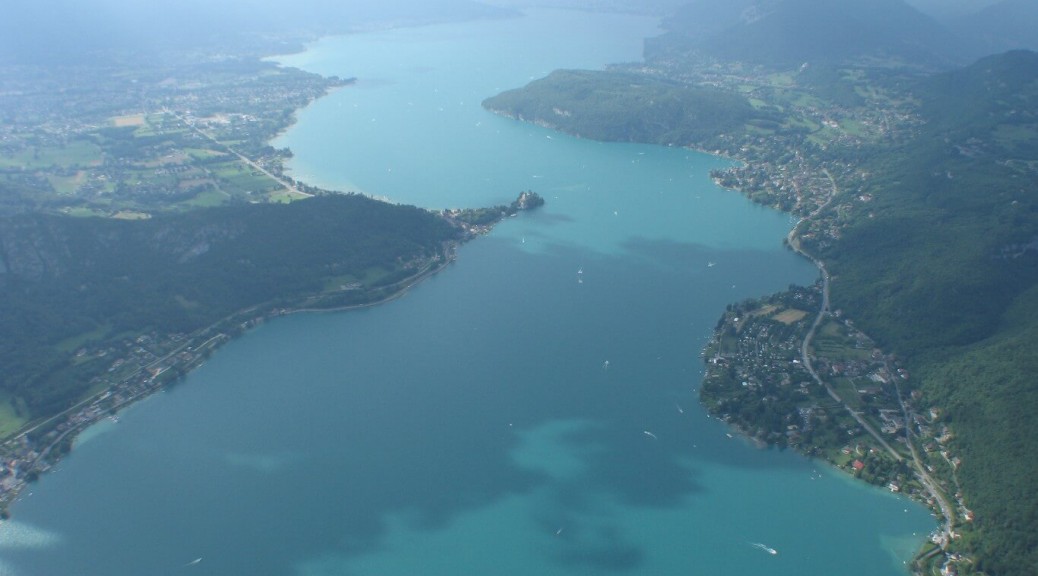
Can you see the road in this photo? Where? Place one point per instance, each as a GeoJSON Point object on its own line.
{"type": "Point", "coordinates": [793, 240]}
{"type": "Point", "coordinates": [241, 156]}
{"type": "Point", "coordinates": [928, 483]}
{"type": "Point", "coordinates": [947, 510]}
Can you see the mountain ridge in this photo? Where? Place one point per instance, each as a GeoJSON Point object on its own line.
{"type": "Point", "coordinates": [793, 32]}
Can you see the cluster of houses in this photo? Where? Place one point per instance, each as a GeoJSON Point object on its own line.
{"type": "Point", "coordinates": [141, 366]}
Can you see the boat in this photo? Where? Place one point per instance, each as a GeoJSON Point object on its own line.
{"type": "Point", "coordinates": [765, 548]}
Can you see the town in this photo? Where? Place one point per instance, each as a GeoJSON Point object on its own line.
{"type": "Point", "coordinates": [756, 380]}
{"type": "Point", "coordinates": [149, 140]}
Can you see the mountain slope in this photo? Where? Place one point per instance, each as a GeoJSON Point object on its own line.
{"type": "Point", "coordinates": [926, 265]}
{"type": "Point", "coordinates": [791, 32]}
{"type": "Point", "coordinates": [942, 267]}
{"type": "Point", "coordinates": [1007, 25]}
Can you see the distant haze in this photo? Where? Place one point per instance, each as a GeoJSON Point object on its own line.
{"type": "Point", "coordinates": [81, 31]}
{"type": "Point", "coordinates": [69, 30]}
{"type": "Point", "coordinates": [944, 9]}
{"type": "Point", "coordinates": [634, 6]}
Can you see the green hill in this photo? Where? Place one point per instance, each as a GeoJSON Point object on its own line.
{"type": "Point", "coordinates": [943, 269]}
{"type": "Point", "coordinates": [628, 107]}
{"type": "Point", "coordinates": [67, 282]}
{"type": "Point", "coordinates": [928, 265]}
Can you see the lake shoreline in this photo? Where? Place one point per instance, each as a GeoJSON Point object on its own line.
{"type": "Point", "coordinates": [97, 407]}
{"type": "Point", "coordinates": [107, 403]}
{"type": "Point", "coordinates": [806, 213]}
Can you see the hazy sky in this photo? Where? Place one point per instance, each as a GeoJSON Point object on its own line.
{"type": "Point", "coordinates": [54, 29]}
{"type": "Point", "coordinates": [59, 30]}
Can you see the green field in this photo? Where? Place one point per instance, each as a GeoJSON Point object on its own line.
{"type": "Point", "coordinates": [66, 185]}
{"type": "Point", "coordinates": [848, 392]}
{"type": "Point", "coordinates": [10, 422]}
{"type": "Point", "coordinates": [338, 282]}
{"type": "Point", "coordinates": [76, 342]}
{"type": "Point", "coordinates": [246, 182]}
{"type": "Point", "coordinates": [854, 128]}
{"type": "Point", "coordinates": [207, 199]}
{"type": "Point", "coordinates": [283, 196]}
{"type": "Point", "coordinates": [202, 153]}
{"type": "Point", "coordinates": [73, 154]}
{"type": "Point", "coordinates": [832, 342]}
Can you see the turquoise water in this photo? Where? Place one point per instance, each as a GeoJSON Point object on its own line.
{"type": "Point", "coordinates": [492, 421]}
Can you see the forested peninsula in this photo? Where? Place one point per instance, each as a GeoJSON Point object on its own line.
{"type": "Point", "coordinates": [99, 312]}
{"type": "Point", "coordinates": [917, 192]}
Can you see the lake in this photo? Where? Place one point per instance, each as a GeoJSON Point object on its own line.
{"type": "Point", "coordinates": [532, 409]}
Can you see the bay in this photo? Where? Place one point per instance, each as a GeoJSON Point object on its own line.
{"type": "Point", "coordinates": [492, 421]}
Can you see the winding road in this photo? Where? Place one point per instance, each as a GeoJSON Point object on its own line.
{"type": "Point", "coordinates": [793, 240]}
{"type": "Point", "coordinates": [928, 483]}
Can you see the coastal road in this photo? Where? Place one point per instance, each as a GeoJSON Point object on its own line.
{"type": "Point", "coordinates": [928, 483]}
{"type": "Point", "coordinates": [947, 510]}
{"type": "Point", "coordinates": [793, 239]}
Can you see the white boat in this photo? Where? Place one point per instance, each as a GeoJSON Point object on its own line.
{"type": "Point", "coordinates": [765, 548]}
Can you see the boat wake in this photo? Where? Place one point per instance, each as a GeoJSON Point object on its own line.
{"type": "Point", "coordinates": [767, 549]}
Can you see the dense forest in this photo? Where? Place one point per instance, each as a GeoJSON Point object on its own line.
{"type": "Point", "coordinates": [943, 249]}
{"type": "Point", "coordinates": [621, 106]}
{"type": "Point", "coordinates": [63, 278]}
{"type": "Point", "coordinates": [942, 267]}
{"type": "Point", "coordinates": [987, 391]}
